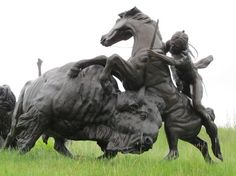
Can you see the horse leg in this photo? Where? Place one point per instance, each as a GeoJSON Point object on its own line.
{"type": "Point", "coordinates": [207, 118]}
{"type": "Point", "coordinates": [60, 147]}
{"type": "Point", "coordinates": [202, 146]}
{"type": "Point", "coordinates": [74, 71]}
{"type": "Point", "coordinates": [106, 154]}
{"type": "Point", "coordinates": [212, 131]}
{"type": "Point", "coordinates": [123, 70]}
{"type": "Point", "coordinates": [172, 142]}
{"type": "Point", "coordinates": [30, 126]}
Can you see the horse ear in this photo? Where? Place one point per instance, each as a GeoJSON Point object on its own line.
{"type": "Point", "coordinates": [121, 15]}
{"type": "Point", "coordinates": [133, 11]}
{"type": "Point", "coordinates": [130, 12]}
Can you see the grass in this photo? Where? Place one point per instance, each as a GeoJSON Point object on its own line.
{"type": "Point", "coordinates": [43, 160]}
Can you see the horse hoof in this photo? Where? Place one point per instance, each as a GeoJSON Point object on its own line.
{"type": "Point", "coordinates": [216, 149]}
{"type": "Point", "coordinates": [172, 155]}
{"type": "Point", "coordinates": [220, 157]}
{"type": "Point", "coordinates": [105, 157]}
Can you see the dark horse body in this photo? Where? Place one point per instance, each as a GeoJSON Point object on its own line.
{"type": "Point", "coordinates": [180, 119]}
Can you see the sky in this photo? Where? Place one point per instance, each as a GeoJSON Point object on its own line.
{"type": "Point", "coordinates": [62, 31]}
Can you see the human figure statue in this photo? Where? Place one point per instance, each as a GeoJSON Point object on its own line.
{"type": "Point", "coordinates": [184, 71]}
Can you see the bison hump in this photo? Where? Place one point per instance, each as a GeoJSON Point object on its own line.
{"type": "Point", "coordinates": [82, 98]}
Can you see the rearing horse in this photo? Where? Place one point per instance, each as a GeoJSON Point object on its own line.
{"type": "Point", "coordinates": [180, 119]}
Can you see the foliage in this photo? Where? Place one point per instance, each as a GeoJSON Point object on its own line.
{"type": "Point", "coordinates": [43, 160]}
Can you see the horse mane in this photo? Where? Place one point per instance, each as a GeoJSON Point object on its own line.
{"type": "Point", "coordinates": [136, 14]}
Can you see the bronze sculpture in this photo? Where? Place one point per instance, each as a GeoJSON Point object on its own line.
{"type": "Point", "coordinates": [7, 104]}
{"type": "Point", "coordinates": [47, 105]}
{"type": "Point", "coordinates": [185, 73]}
{"type": "Point", "coordinates": [39, 65]}
{"type": "Point", "coordinates": [79, 109]}
{"type": "Point", "coordinates": [181, 121]}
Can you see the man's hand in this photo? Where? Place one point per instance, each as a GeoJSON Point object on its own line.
{"type": "Point", "coordinates": [151, 53]}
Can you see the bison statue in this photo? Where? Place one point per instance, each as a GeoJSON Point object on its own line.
{"type": "Point", "coordinates": [79, 109]}
{"type": "Point", "coordinates": [7, 104]}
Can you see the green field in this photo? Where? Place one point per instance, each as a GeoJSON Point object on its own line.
{"type": "Point", "coordinates": [43, 160]}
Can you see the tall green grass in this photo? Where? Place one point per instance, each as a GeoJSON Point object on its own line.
{"type": "Point", "coordinates": [43, 160]}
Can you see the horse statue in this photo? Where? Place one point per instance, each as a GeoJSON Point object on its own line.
{"type": "Point", "coordinates": [180, 119]}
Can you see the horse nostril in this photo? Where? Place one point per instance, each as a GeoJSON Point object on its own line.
{"type": "Point", "coordinates": [148, 141]}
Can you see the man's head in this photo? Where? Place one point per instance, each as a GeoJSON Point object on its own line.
{"type": "Point", "coordinates": [178, 42]}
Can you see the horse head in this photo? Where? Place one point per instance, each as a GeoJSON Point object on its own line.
{"type": "Point", "coordinates": [133, 23]}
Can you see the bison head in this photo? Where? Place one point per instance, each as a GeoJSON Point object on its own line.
{"type": "Point", "coordinates": [136, 121]}
{"type": "Point", "coordinates": [7, 99]}
{"type": "Point", "coordinates": [7, 104]}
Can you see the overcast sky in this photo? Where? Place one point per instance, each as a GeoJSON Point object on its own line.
{"type": "Point", "coordinates": [62, 31]}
